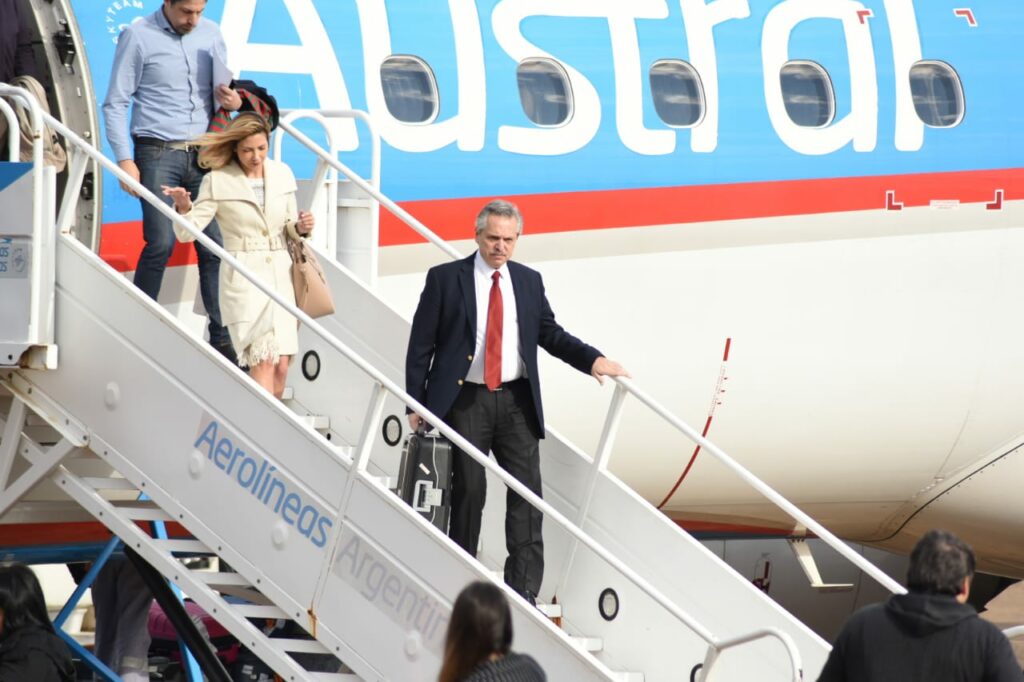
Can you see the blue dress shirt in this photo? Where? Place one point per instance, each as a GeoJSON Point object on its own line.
{"type": "Point", "coordinates": [168, 77]}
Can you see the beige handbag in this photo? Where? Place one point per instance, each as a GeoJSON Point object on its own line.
{"type": "Point", "coordinates": [312, 294]}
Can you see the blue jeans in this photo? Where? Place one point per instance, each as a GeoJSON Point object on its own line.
{"type": "Point", "coordinates": [159, 164]}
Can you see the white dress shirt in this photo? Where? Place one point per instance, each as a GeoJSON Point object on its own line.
{"type": "Point", "coordinates": [511, 363]}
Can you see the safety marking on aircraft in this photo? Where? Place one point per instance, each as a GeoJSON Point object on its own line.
{"type": "Point", "coordinates": [944, 204]}
{"type": "Point", "coordinates": [864, 14]}
{"type": "Point", "coordinates": [716, 400]}
{"type": "Point", "coordinates": [997, 203]}
{"type": "Point", "coordinates": [890, 201]}
{"type": "Point", "coordinates": [967, 14]}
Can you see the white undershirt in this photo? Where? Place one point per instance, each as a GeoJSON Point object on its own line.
{"type": "Point", "coordinates": [511, 363]}
{"type": "Point", "coordinates": [257, 185]}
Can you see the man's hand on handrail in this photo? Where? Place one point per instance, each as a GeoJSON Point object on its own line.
{"type": "Point", "coordinates": [603, 367]}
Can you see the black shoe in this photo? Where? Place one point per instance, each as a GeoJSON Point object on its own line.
{"type": "Point", "coordinates": [228, 351]}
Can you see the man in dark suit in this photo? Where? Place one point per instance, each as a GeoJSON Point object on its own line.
{"type": "Point", "coordinates": [472, 360]}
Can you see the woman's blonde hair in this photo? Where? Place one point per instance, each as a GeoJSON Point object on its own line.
{"type": "Point", "coordinates": [218, 149]}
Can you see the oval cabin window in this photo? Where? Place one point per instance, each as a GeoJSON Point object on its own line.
{"type": "Point", "coordinates": [677, 92]}
{"type": "Point", "coordinates": [410, 90]}
{"type": "Point", "coordinates": [808, 95]}
{"type": "Point", "coordinates": [938, 94]}
{"type": "Point", "coordinates": [545, 92]}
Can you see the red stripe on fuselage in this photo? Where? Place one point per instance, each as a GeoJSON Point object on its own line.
{"type": "Point", "coordinates": [121, 244]}
{"type": "Point", "coordinates": [452, 219]}
{"type": "Point", "coordinates": [719, 529]}
{"type": "Point", "coordinates": [15, 535]}
{"type": "Point", "coordinates": [577, 211]}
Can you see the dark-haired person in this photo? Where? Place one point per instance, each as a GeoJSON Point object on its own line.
{"type": "Point", "coordinates": [30, 649]}
{"type": "Point", "coordinates": [16, 55]}
{"type": "Point", "coordinates": [478, 644]}
{"type": "Point", "coordinates": [163, 73]}
{"type": "Point", "coordinates": [928, 635]}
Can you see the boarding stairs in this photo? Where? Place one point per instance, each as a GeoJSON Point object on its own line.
{"type": "Point", "coordinates": [297, 498]}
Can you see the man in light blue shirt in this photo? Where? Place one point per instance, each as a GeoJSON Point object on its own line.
{"type": "Point", "coordinates": [163, 72]}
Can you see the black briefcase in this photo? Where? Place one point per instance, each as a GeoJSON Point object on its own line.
{"type": "Point", "coordinates": [425, 477]}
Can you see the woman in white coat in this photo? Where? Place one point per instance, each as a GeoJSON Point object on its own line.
{"type": "Point", "coordinates": [253, 199]}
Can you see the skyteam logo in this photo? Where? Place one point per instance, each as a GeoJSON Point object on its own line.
{"type": "Point", "coordinates": [120, 13]}
{"type": "Point", "coordinates": [252, 472]}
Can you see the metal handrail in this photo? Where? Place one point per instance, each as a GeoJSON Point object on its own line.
{"type": "Point", "coordinates": [322, 117]}
{"type": "Point", "coordinates": [795, 512]}
{"type": "Point", "coordinates": [38, 238]}
{"type": "Point", "coordinates": [600, 462]}
{"type": "Point", "coordinates": [12, 125]}
{"type": "Point", "coordinates": [37, 122]}
{"type": "Point", "coordinates": [1015, 631]}
{"type": "Point", "coordinates": [384, 383]}
{"type": "Point", "coordinates": [763, 633]}
{"type": "Point", "coordinates": [383, 200]}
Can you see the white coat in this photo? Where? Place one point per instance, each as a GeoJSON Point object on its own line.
{"type": "Point", "coordinates": [255, 235]}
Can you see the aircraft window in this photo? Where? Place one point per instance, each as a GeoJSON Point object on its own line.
{"type": "Point", "coordinates": [938, 94]}
{"type": "Point", "coordinates": [410, 90]}
{"type": "Point", "coordinates": [545, 92]}
{"type": "Point", "coordinates": [678, 93]}
{"type": "Point", "coordinates": [808, 94]}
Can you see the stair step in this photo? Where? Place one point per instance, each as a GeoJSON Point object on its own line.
{"type": "Point", "coordinates": [344, 450]}
{"type": "Point", "coordinates": [345, 202]}
{"type": "Point", "coordinates": [628, 677]}
{"type": "Point", "coordinates": [202, 585]}
{"type": "Point", "coordinates": [591, 644]}
{"type": "Point", "coordinates": [317, 422]}
{"type": "Point", "coordinates": [298, 646]}
{"type": "Point", "coordinates": [109, 483]}
{"type": "Point", "coordinates": [216, 578]}
{"type": "Point", "coordinates": [259, 611]}
{"type": "Point", "coordinates": [387, 482]}
{"type": "Point", "coordinates": [141, 510]}
{"type": "Point", "coordinates": [183, 546]}
{"type": "Point", "coordinates": [550, 610]}
{"type": "Point", "coordinates": [288, 393]}
{"type": "Point", "coordinates": [334, 677]}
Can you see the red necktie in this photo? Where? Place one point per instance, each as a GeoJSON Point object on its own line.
{"type": "Point", "coordinates": [492, 344]}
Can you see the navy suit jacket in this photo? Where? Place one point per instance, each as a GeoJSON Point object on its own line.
{"type": "Point", "coordinates": [443, 335]}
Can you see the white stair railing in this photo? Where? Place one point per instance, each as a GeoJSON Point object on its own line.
{"type": "Point", "coordinates": [600, 461]}
{"type": "Point", "coordinates": [40, 327]}
{"type": "Point", "coordinates": [383, 386]}
{"type": "Point", "coordinates": [326, 176]}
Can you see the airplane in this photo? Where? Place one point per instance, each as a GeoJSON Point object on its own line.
{"type": "Point", "coordinates": [796, 222]}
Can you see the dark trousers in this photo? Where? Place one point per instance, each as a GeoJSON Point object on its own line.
{"type": "Point", "coordinates": [122, 600]}
{"type": "Point", "coordinates": [160, 164]}
{"type": "Point", "coordinates": [502, 422]}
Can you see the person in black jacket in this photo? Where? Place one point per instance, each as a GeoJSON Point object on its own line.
{"type": "Point", "coordinates": [472, 360]}
{"type": "Point", "coordinates": [17, 56]}
{"type": "Point", "coordinates": [478, 644]}
{"type": "Point", "coordinates": [928, 635]}
{"type": "Point", "coordinates": [29, 647]}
